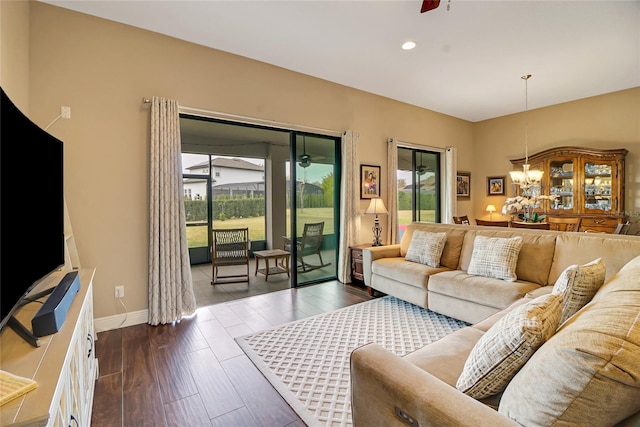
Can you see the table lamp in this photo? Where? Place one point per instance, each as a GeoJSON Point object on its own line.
{"type": "Point", "coordinates": [491, 209]}
{"type": "Point", "coordinates": [376, 207]}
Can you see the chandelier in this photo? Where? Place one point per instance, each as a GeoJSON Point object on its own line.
{"type": "Point", "coordinates": [527, 179]}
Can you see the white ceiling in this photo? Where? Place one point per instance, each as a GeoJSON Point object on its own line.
{"type": "Point", "coordinates": [467, 63]}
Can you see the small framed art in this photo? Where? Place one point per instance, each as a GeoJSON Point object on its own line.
{"type": "Point", "coordinates": [463, 185]}
{"type": "Point", "coordinates": [495, 185]}
{"type": "Point", "coordinates": [369, 181]}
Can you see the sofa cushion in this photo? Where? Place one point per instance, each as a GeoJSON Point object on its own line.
{"type": "Point", "coordinates": [445, 357]}
{"type": "Point", "coordinates": [495, 257]}
{"type": "Point", "coordinates": [481, 290]}
{"type": "Point", "coordinates": [507, 345]}
{"type": "Point", "coordinates": [408, 272]}
{"type": "Point", "coordinates": [579, 283]}
{"type": "Point", "coordinates": [426, 248]}
{"type": "Point", "coordinates": [594, 357]}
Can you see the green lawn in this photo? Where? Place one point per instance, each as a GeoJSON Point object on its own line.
{"type": "Point", "coordinates": [197, 236]}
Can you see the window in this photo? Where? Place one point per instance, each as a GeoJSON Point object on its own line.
{"type": "Point", "coordinates": [418, 181]}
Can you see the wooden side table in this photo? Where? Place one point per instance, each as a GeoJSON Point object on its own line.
{"type": "Point", "coordinates": [272, 254]}
{"type": "Point", "coordinates": [357, 271]}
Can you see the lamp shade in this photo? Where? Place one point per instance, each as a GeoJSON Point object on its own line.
{"type": "Point", "coordinates": [376, 207]}
{"type": "Point", "coordinates": [491, 208]}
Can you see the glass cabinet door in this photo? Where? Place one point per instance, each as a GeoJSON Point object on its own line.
{"type": "Point", "coordinates": [561, 184]}
{"type": "Point", "coordinates": [597, 186]}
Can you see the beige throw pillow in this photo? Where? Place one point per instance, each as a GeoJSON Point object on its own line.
{"type": "Point", "coordinates": [426, 248]}
{"type": "Point", "coordinates": [507, 345]}
{"type": "Point", "coordinates": [579, 283]}
{"type": "Point", "coordinates": [495, 257]}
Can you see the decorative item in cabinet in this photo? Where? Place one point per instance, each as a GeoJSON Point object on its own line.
{"type": "Point", "coordinates": [561, 184]}
{"type": "Point", "coordinates": [597, 186]}
{"type": "Point", "coordinates": [589, 183]}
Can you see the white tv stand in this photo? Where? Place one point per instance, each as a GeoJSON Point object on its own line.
{"type": "Point", "coordinates": [64, 366]}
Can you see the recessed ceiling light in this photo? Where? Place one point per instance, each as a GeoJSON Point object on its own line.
{"type": "Point", "coordinates": [408, 45]}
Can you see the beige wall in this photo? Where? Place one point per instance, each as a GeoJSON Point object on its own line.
{"type": "Point", "coordinates": [606, 121]}
{"type": "Point", "coordinates": [14, 52]}
{"type": "Point", "coordinates": [103, 70]}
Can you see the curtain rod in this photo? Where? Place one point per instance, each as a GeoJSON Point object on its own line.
{"type": "Point", "coordinates": [254, 120]}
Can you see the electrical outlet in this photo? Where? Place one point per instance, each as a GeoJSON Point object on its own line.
{"type": "Point", "coordinates": [119, 291]}
{"type": "Point", "coordinates": [65, 112]}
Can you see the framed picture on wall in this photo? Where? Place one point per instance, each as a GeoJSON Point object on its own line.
{"type": "Point", "coordinates": [463, 185]}
{"type": "Point", "coordinates": [369, 181]}
{"type": "Point", "coordinates": [495, 185]}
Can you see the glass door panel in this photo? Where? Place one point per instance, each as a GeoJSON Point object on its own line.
{"type": "Point", "coordinates": [427, 179]}
{"type": "Point", "coordinates": [418, 183]}
{"type": "Point", "coordinates": [315, 200]}
{"type": "Point", "coordinates": [561, 184]}
{"type": "Point", "coordinates": [198, 217]}
{"type": "Point", "coordinates": [597, 187]}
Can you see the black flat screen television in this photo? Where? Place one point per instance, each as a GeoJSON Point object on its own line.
{"type": "Point", "coordinates": [31, 206]}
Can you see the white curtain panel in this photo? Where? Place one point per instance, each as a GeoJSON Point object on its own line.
{"type": "Point", "coordinates": [170, 284]}
{"type": "Point", "coordinates": [392, 197]}
{"type": "Point", "coordinates": [450, 197]}
{"type": "Point", "coordinates": [349, 204]}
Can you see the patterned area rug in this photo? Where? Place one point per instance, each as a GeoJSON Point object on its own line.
{"type": "Point", "coordinates": [307, 361]}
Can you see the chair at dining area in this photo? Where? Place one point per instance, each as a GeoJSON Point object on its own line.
{"type": "Point", "coordinates": [464, 219]}
{"type": "Point", "coordinates": [492, 223]}
{"type": "Point", "coordinates": [558, 223]}
{"type": "Point", "coordinates": [531, 225]}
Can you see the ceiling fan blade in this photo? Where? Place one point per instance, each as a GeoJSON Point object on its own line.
{"type": "Point", "coordinates": [429, 5]}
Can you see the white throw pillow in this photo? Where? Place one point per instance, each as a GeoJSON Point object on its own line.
{"type": "Point", "coordinates": [579, 283]}
{"type": "Point", "coordinates": [507, 345]}
{"type": "Point", "coordinates": [495, 257]}
{"type": "Point", "coordinates": [426, 248]}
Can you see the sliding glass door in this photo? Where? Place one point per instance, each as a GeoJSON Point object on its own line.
{"type": "Point", "coordinates": [275, 181]}
{"type": "Point", "coordinates": [313, 207]}
{"type": "Point", "coordinates": [222, 192]}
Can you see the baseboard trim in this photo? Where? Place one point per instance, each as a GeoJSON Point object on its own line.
{"type": "Point", "coordinates": [121, 320]}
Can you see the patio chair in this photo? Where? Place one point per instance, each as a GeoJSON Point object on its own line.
{"type": "Point", "coordinates": [564, 223]}
{"type": "Point", "coordinates": [230, 247]}
{"type": "Point", "coordinates": [464, 219]}
{"type": "Point", "coordinates": [309, 244]}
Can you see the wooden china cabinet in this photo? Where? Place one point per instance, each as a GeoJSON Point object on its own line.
{"type": "Point", "coordinates": [589, 184]}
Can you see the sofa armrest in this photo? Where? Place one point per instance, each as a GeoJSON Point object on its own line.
{"type": "Point", "coordinates": [387, 390]}
{"type": "Point", "coordinates": [376, 252]}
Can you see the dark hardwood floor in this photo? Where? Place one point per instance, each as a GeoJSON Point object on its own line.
{"type": "Point", "coordinates": [194, 374]}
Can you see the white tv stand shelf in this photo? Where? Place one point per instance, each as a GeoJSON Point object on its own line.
{"type": "Point", "coordinates": [64, 366]}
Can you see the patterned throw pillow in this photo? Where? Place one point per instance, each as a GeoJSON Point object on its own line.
{"type": "Point", "coordinates": [426, 248]}
{"type": "Point", "coordinates": [495, 257]}
{"type": "Point", "coordinates": [579, 283]}
{"type": "Point", "coordinates": [507, 345]}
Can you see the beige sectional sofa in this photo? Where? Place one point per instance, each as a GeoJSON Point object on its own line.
{"type": "Point", "coordinates": [449, 290]}
{"type": "Point", "coordinates": [587, 373]}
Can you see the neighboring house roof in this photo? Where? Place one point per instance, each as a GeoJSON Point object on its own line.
{"type": "Point", "coordinates": [241, 186]}
{"type": "Point", "coordinates": [194, 181]}
{"type": "Point", "coordinates": [234, 163]}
